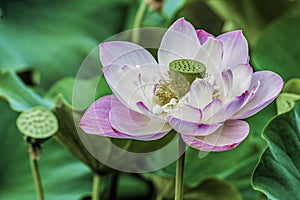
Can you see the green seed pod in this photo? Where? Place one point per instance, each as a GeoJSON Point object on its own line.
{"type": "Point", "coordinates": [190, 69]}
{"type": "Point", "coordinates": [37, 123]}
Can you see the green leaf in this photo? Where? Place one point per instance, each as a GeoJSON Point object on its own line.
{"type": "Point", "coordinates": [54, 37]}
{"type": "Point", "coordinates": [139, 146]}
{"type": "Point", "coordinates": [285, 102]}
{"type": "Point", "coordinates": [210, 188]}
{"type": "Point", "coordinates": [132, 187]}
{"type": "Point", "coordinates": [72, 137]}
{"type": "Point", "coordinates": [292, 86]}
{"type": "Point", "coordinates": [63, 177]}
{"type": "Point", "coordinates": [20, 97]}
{"type": "Point", "coordinates": [277, 174]}
{"type": "Point", "coordinates": [80, 93]}
{"type": "Point", "coordinates": [238, 171]}
{"type": "Point", "coordinates": [258, 121]}
{"type": "Point", "coordinates": [278, 49]}
{"type": "Point", "coordinates": [291, 93]}
{"type": "Point", "coordinates": [214, 189]}
{"type": "Point", "coordinates": [252, 16]}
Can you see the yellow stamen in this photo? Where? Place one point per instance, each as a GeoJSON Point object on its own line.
{"type": "Point", "coordinates": [181, 74]}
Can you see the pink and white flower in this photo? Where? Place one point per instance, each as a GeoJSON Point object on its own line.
{"type": "Point", "coordinates": [145, 105]}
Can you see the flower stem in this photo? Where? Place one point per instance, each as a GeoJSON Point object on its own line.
{"type": "Point", "coordinates": [34, 152]}
{"type": "Point", "coordinates": [179, 171]}
{"type": "Point", "coordinates": [138, 20]}
{"type": "Point", "coordinates": [96, 187]}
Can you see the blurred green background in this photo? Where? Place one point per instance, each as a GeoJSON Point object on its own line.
{"type": "Point", "coordinates": [42, 45]}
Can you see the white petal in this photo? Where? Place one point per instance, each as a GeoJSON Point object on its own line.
{"type": "Point", "coordinates": [136, 124]}
{"type": "Point", "coordinates": [201, 93]}
{"type": "Point", "coordinates": [210, 110]}
{"type": "Point", "coordinates": [179, 42]}
{"type": "Point", "coordinates": [210, 54]}
{"type": "Point", "coordinates": [126, 82]}
{"type": "Point", "coordinates": [188, 113]}
{"type": "Point", "coordinates": [242, 76]}
{"type": "Point", "coordinates": [270, 85]}
{"type": "Point", "coordinates": [124, 53]}
{"type": "Point", "coordinates": [227, 79]}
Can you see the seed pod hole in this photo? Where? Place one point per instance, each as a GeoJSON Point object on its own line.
{"type": "Point", "coordinates": [189, 69]}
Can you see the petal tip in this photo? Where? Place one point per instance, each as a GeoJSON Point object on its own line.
{"type": "Point", "coordinates": [83, 125]}
{"type": "Point", "coordinates": [103, 45]}
{"type": "Point", "coordinates": [201, 32]}
{"type": "Point", "coordinates": [180, 22]}
{"type": "Point", "coordinates": [80, 124]}
{"type": "Point", "coordinates": [182, 19]}
{"type": "Point", "coordinates": [237, 33]}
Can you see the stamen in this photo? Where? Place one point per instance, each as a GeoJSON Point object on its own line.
{"type": "Point", "coordinates": [181, 74]}
{"type": "Point", "coordinates": [165, 91]}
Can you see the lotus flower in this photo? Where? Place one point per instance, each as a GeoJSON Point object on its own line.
{"type": "Point", "coordinates": [202, 86]}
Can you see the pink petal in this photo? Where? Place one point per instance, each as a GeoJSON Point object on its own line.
{"type": "Point", "coordinates": [235, 49]}
{"type": "Point", "coordinates": [227, 110]}
{"type": "Point", "coordinates": [201, 92]}
{"type": "Point", "coordinates": [95, 118]}
{"type": "Point", "coordinates": [124, 53]}
{"type": "Point", "coordinates": [179, 42]}
{"type": "Point", "coordinates": [270, 87]}
{"type": "Point", "coordinates": [133, 123]}
{"type": "Point", "coordinates": [203, 35]}
{"type": "Point", "coordinates": [96, 121]}
{"type": "Point", "coordinates": [230, 135]}
{"type": "Point", "coordinates": [191, 128]}
{"type": "Point", "coordinates": [186, 120]}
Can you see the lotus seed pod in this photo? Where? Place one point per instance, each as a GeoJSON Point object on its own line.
{"type": "Point", "coordinates": [190, 69]}
{"type": "Point", "coordinates": [37, 123]}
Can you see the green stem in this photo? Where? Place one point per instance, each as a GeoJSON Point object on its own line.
{"type": "Point", "coordinates": [179, 171]}
{"type": "Point", "coordinates": [138, 20]}
{"type": "Point", "coordinates": [96, 187]}
{"type": "Point", "coordinates": [34, 152]}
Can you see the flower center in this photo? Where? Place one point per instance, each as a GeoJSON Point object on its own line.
{"type": "Point", "coordinates": [181, 74]}
{"type": "Point", "coordinates": [189, 69]}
